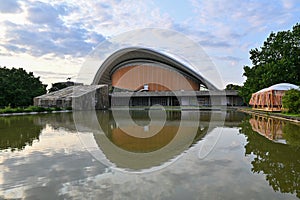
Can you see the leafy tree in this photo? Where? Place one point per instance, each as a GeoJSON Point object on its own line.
{"type": "Point", "coordinates": [291, 101]}
{"type": "Point", "coordinates": [61, 85]}
{"type": "Point", "coordinates": [232, 87]}
{"type": "Point", "coordinates": [18, 88]}
{"type": "Point", "coordinates": [277, 61]}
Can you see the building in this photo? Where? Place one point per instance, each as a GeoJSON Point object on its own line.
{"type": "Point", "coordinates": [80, 97]}
{"type": "Point", "coordinates": [146, 77]}
{"type": "Point", "coordinates": [270, 99]}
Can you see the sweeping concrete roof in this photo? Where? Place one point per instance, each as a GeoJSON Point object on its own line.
{"type": "Point", "coordinates": [133, 55]}
{"type": "Point", "coordinates": [280, 86]}
{"type": "Point", "coordinates": [70, 92]}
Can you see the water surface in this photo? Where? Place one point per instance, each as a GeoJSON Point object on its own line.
{"type": "Point", "coordinates": [244, 157]}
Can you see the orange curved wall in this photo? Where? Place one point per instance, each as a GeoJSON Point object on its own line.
{"type": "Point", "coordinates": [157, 78]}
{"type": "Point", "coordinates": [134, 144]}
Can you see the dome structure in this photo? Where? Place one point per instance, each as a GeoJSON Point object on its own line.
{"type": "Point", "coordinates": [148, 66]}
{"type": "Point", "coordinates": [280, 87]}
{"type": "Point", "coordinates": [270, 99]}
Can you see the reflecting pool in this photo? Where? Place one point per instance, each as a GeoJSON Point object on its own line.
{"type": "Point", "coordinates": [171, 155]}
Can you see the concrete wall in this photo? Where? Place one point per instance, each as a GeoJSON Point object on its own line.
{"type": "Point", "coordinates": [87, 97]}
{"type": "Point", "coordinates": [184, 98]}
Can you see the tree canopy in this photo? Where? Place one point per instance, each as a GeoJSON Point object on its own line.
{"type": "Point", "coordinates": [291, 101]}
{"type": "Point", "coordinates": [61, 85]}
{"type": "Point", "coordinates": [277, 61]}
{"type": "Point", "coordinates": [18, 88]}
{"type": "Point", "coordinates": [232, 87]}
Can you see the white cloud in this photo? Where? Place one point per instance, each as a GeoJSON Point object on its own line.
{"type": "Point", "coordinates": [70, 29]}
{"type": "Point", "coordinates": [113, 17]}
{"type": "Point", "coordinates": [11, 6]}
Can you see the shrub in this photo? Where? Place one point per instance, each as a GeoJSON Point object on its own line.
{"type": "Point", "coordinates": [57, 109]}
{"type": "Point", "coordinates": [291, 101]}
{"type": "Point", "coordinates": [34, 109]}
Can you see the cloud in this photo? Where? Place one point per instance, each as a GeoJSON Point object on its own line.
{"type": "Point", "coordinates": [203, 37]}
{"type": "Point", "coordinates": [239, 18]}
{"type": "Point", "coordinates": [47, 33]}
{"type": "Point", "coordinates": [215, 44]}
{"type": "Point", "coordinates": [114, 17]}
{"type": "Point", "coordinates": [43, 13]}
{"type": "Point", "coordinates": [288, 4]}
{"type": "Point", "coordinates": [10, 6]}
{"type": "Point", "coordinates": [76, 27]}
{"type": "Point", "coordinates": [230, 58]}
{"type": "Point", "coordinates": [58, 29]}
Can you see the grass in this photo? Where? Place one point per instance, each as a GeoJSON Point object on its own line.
{"type": "Point", "coordinates": [290, 114]}
{"type": "Point", "coordinates": [28, 109]}
{"type": "Point", "coordinates": [280, 114]}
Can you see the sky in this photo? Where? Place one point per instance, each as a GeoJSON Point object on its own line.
{"type": "Point", "coordinates": [52, 38]}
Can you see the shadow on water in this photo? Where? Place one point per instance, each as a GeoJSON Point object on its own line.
{"type": "Point", "coordinates": [279, 162]}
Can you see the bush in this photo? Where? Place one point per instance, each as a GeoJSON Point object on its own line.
{"type": "Point", "coordinates": [34, 109]}
{"type": "Point", "coordinates": [69, 108]}
{"type": "Point", "coordinates": [291, 101]}
{"type": "Point", "coordinates": [57, 109]}
{"type": "Point", "coordinates": [9, 109]}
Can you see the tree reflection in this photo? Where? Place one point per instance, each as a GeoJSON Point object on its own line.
{"type": "Point", "coordinates": [292, 134]}
{"type": "Point", "coordinates": [279, 162]}
{"type": "Point", "coordinates": [18, 131]}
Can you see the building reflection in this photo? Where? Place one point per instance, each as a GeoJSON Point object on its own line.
{"type": "Point", "coordinates": [269, 127]}
{"type": "Point", "coordinates": [279, 162]}
{"type": "Point", "coordinates": [181, 130]}
{"type": "Point", "coordinates": [164, 135]}
{"type": "Point", "coordinates": [146, 143]}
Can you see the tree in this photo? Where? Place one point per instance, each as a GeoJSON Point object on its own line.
{"type": "Point", "coordinates": [232, 87]}
{"type": "Point", "coordinates": [61, 85]}
{"type": "Point", "coordinates": [277, 61]}
{"type": "Point", "coordinates": [57, 86]}
{"type": "Point", "coordinates": [18, 88]}
{"type": "Point", "coordinates": [291, 101]}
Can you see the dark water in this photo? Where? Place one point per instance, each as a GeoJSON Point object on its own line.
{"type": "Point", "coordinates": [103, 155]}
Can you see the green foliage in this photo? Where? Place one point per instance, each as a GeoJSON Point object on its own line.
{"type": "Point", "coordinates": [9, 109]}
{"type": "Point", "coordinates": [291, 101]}
{"type": "Point", "coordinates": [18, 88]}
{"type": "Point", "coordinates": [232, 87]}
{"type": "Point", "coordinates": [277, 61]}
{"type": "Point", "coordinates": [60, 85]}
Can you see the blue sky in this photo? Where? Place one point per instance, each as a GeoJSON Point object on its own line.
{"type": "Point", "coordinates": [53, 37]}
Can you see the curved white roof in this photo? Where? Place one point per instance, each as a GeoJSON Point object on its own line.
{"type": "Point", "coordinates": [126, 55]}
{"type": "Point", "coordinates": [280, 86]}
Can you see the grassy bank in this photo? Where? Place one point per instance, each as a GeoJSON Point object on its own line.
{"type": "Point", "coordinates": [8, 109]}
{"type": "Point", "coordinates": [280, 115]}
